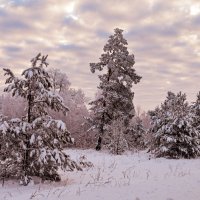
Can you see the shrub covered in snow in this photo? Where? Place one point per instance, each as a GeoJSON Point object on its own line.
{"type": "Point", "coordinates": [135, 135]}
{"type": "Point", "coordinates": [118, 143]}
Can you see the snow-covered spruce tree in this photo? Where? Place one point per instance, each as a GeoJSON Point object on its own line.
{"type": "Point", "coordinates": [116, 99]}
{"type": "Point", "coordinates": [173, 133]}
{"type": "Point", "coordinates": [135, 135]}
{"type": "Point", "coordinates": [33, 145]}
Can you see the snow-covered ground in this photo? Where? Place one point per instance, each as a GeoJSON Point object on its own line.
{"type": "Point", "coordinates": [125, 177]}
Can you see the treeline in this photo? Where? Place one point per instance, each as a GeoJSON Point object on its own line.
{"type": "Point", "coordinates": [76, 101]}
{"type": "Point", "coordinates": [77, 118]}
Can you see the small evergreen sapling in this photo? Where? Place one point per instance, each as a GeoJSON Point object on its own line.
{"type": "Point", "coordinates": [33, 145]}
{"type": "Point", "coordinates": [118, 143]}
{"type": "Point", "coordinates": [135, 135]}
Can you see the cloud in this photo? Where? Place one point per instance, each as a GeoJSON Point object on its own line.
{"type": "Point", "coordinates": [11, 49]}
{"type": "Point", "coordinates": [13, 25]}
{"type": "Point", "coordinates": [164, 36]}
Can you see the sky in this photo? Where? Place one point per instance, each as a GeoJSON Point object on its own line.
{"type": "Point", "coordinates": [164, 36]}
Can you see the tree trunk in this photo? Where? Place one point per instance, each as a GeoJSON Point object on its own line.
{"type": "Point", "coordinates": [98, 147]}
{"type": "Point", "coordinates": [99, 142]}
{"type": "Point", "coordinates": [27, 141]}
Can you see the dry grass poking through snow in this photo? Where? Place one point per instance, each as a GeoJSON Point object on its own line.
{"type": "Point", "coordinates": [125, 177]}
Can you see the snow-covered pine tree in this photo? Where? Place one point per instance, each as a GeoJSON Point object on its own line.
{"type": "Point", "coordinates": [116, 99]}
{"type": "Point", "coordinates": [33, 145]}
{"type": "Point", "coordinates": [173, 133]}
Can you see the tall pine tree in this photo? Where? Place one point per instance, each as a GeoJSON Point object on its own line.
{"type": "Point", "coordinates": [116, 97]}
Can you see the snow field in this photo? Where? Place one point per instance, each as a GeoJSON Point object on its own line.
{"type": "Point", "coordinates": [132, 176]}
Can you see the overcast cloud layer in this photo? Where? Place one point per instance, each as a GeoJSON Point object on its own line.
{"type": "Point", "coordinates": [164, 36]}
